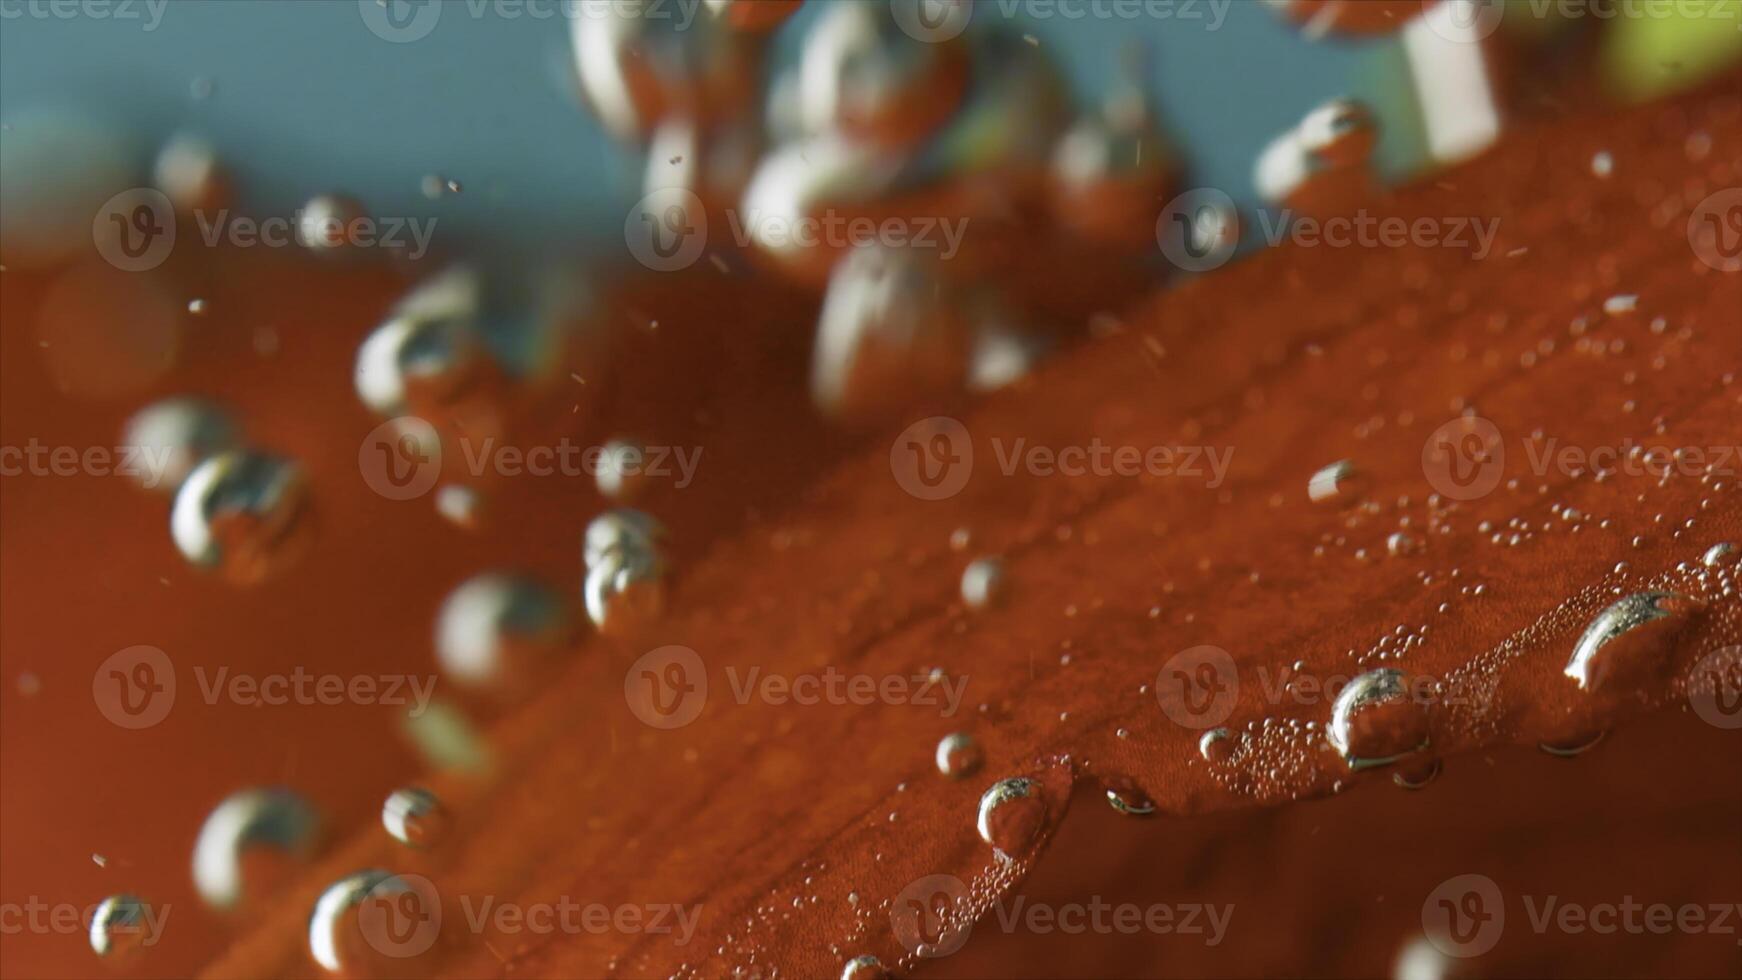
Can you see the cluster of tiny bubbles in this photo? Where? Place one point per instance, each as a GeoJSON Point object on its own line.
{"type": "Point", "coordinates": [172, 436]}
{"type": "Point", "coordinates": [625, 586]}
{"type": "Point", "coordinates": [428, 353]}
{"type": "Point", "coordinates": [959, 755]}
{"type": "Point", "coordinates": [1011, 813]}
{"type": "Point", "coordinates": [1377, 719]}
{"type": "Point", "coordinates": [118, 926]}
{"type": "Point", "coordinates": [621, 475]}
{"type": "Point", "coordinates": [497, 629]}
{"type": "Point", "coordinates": [241, 513]}
{"type": "Point", "coordinates": [983, 583]}
{"type": "Point", "coordinates": [415, 817]}
{"type": "Point", "coordinates": [1269, 759]}
{"type": "Point", "coordinates": [271, 823]}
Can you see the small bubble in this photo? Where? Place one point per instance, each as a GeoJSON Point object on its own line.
{"type": "Point", "coordinates": [983, 583]}
{"type": "Point", "coordinates": [413, 816]}
{"type": "Point", "coordinates": [958, 755]}
{"type": "Point", "coordinates": [1010, 815]}
{"type": "Point", "coordinates": [119, 926]}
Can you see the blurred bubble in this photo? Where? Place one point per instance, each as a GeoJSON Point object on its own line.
{"type": "Point", "coordinates": [105, 333]}
{"type": "Point", "coordinates": [500, 630]}
{"type": "Point", "coordinates": [57, 167]}
{"type": "Point", "coordinates": [246, 842]}
{"type": "Point", "coordinates": [172, 436]}
{"type": "Point", "coordinates": [242, 514]}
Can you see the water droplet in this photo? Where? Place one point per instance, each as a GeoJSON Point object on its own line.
{"type": "Point", "coordinates": [1217, 746]}
{"type": "Point", "coordinates": [460, 504]}
{"type": "Point", "coordinates": [499, 629]}
{"type": "Point", "coordinates": [1566, 748]}
{"type": "Point", "coordinates": [959, 755]}
{"type": "Point", "coordinates": [983, 583]}
{"type": "Point", "coordinates": [343, 940]}
{"type": "Point", "coordinates": [274, 824]}
{"type": "Point", "coordinates": [189, 174]}
{"type": "Point", "coordinates": [1400, 543]}
{"type": "Point", "coordinates": [864, 968]}
{"type": "Point", "coordinates": [241, 513]}
{"type": "Point", "coordinates": [621, 474]}
{"type": "Point", "coordinates": [120, 925]}
{"type": "Point", "coordinates": [621, 529]}
{"type": "Point", "coordinates": [1333, 483]}
{"type": "Point", "coordinates": [1417, 775]}
{"type": "Point", "coordinates": [1011, 813]}
{"type": "Point", "coordinates": [889, 334]}
{"type": "Point", "coordinates": [428, 354]}
{"type": "Point", "coordinates": [170, 437]}
{"type": "Point", "coordinates": [330, 222]}
{"type": "Point", "coordinates": [415, 817]}
{"type": "Point", "coordinates": [1124, 796]}
{"type": "Point", "coordinates": [1719, 555]}
{"type": "Point", "coordinates": [625, 591]}
{"type": "Point", "coordinates": [1630, 633]}
{"type": "Point", "coordinates": [1377, 720]}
